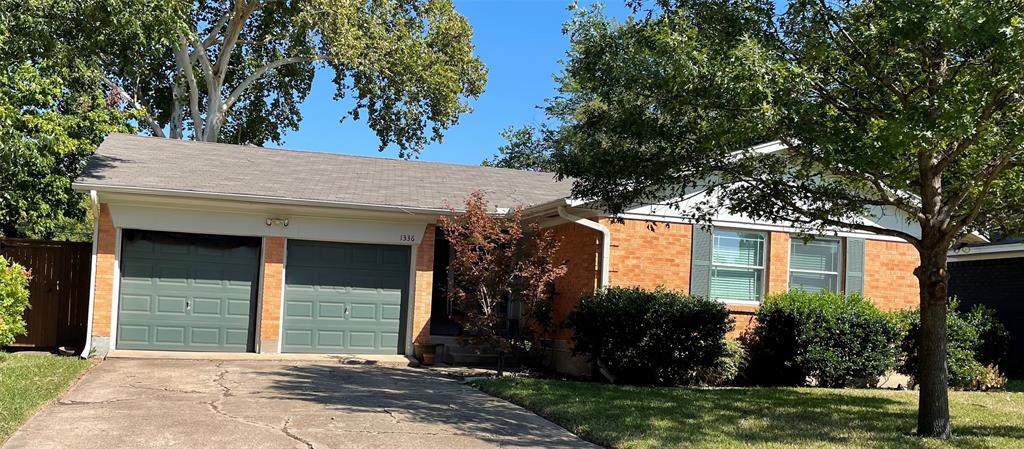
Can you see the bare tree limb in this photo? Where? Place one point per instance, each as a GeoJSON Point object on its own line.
{"type": "Point", "coordinates": [199, 53]}
{"type": "Point", "coordinates": [193, 89]}
{"type": "Point", "coordinates": [147, 117]}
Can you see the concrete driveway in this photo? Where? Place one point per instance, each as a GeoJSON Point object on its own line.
{"type": "Point", "coordinates": [128, 403]}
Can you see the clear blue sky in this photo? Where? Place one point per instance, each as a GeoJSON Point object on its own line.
{"type": "Point", "coordinates": [520, 41]}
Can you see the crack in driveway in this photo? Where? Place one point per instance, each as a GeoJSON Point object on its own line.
{"type": "Point", "coordinates": [216, 406]}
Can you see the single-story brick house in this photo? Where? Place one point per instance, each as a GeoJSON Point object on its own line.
{"type": "Point", "coordinates": [215, 247]}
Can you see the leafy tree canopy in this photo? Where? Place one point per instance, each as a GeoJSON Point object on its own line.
{"type": "Point", "coordinates": [524, 149]}
{"type": "Point", "coordinates": [236, 71]}
{"type": "Point", "coordinates": [53, 113]}
{"type": "Point", "coordinates": [913, 106]}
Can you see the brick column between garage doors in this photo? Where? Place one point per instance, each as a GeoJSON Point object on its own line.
{"type": "Point", "coordinates": [424, 283]}
{"type": "Point", "coordinates": [270, 295]}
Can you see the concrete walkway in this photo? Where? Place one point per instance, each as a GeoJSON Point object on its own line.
{"type": "Point", "coordinates": [130, 403]}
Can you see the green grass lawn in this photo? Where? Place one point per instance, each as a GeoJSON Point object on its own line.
{"type": "Point", "coordinates": [27, 381]}
{"type": "Point", "coordinates": [637, 417]}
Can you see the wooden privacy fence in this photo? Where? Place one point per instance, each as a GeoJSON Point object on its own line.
{"type": "Point", "coordinates": [58, 291]}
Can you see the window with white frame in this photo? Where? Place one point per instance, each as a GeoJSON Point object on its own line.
{"type": "Point", "coordinates": [737, 265]}
{"type": "Point", "coordinates": [814, 265]}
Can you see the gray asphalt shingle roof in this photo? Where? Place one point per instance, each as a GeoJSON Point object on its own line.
{"type": "Point", "coordinates": [130, 161]}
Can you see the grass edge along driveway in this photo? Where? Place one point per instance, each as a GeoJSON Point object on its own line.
{"type": "Point", "coordinates": [777, 418]}
{"type": "Point", "coordinates": [29, 381]}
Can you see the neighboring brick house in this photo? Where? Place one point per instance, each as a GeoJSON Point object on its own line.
{"type": "Point", "coordinates": [992, 274]}
{"type": "Point", "coordinates": [213, 247]}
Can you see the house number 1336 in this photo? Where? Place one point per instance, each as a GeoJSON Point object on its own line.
{"type": "Point", "coordinates": [408, 238]}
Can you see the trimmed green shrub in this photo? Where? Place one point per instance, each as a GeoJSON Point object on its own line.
{"type": "Point", "coordinates": [13, 300]}
{"type": "Point", "coordinates": [728, 367]}
{"type": "Point", "coordinates": [650, 337]}
{"type": "Point", "coordinates": [833, 339]}
{"type": "Point", "coordinates": [975, 346]}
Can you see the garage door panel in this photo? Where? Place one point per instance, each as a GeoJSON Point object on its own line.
{"type": "Point", "coordinates": [389, 339]}
{"type": "Point", "coordinates": [298, 309]}
{"type": "Point", "coordinates": [169, 335]}
{"type": "Point", "coordinates": [331, 310]}
{"type": "Point", "coordinates": [136, 303]}
{"type": "Point", "coordinates": [236, 337]}
{"type": "Point", "coordinates": [330, 339]}
{"type": "Point", "coordinates": [363, 311]}
{"type": "Point", "coordinates": [301, 338]}
{"type": "Point", "coordinates": [344, 297]}
{"type": "Point", "coordinates": [205, 336]}
{"type": "Point", "coordinates": [390, 312]}
{"type": "Point", "coordinates": [171, 304]}
{"type": "Point", "coordinates": [191, 292]}
{"type": "Point", "coordinates": [137, 334]}
{"type": "Point", "coordinates": [362, 340]}
{"type": "Point", "coordinates": [207, 306]}
{"type": "Point", "coordinates": [238, 308]}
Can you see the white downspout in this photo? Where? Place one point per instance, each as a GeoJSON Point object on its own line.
{"type": "Point", "coordinates": [87, 348]}
{"type": "Point", "coordinates": [605, 240]}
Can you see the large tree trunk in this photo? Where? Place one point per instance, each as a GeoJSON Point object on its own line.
{"type": "Point", "coordinates": [933, 405]}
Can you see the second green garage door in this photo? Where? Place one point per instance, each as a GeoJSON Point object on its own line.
{"type": "Point", "coordinates": [345, 297]}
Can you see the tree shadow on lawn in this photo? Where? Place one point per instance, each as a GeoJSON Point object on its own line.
{"type": "Point", "coordinates": [680, 417]}
{"type": "Point", "coordinates": [412, 398]}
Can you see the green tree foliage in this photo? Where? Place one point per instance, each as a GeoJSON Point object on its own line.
{"type": "Point", "coordinates": [53, 113]}
{"type": "Point", "coordinates": [899, 110]}
{"type": "Point", "coordinates": [237, 71]}
{"type": "Point", "coordinates": [524, 149]}
{"type": "Point", "coordinates": [13, 300]}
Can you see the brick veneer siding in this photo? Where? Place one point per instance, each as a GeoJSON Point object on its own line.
{"type": "Point", "coordinates": [270, 295]}
{"type": "Point", "coordinates": [579, 251]}
{"type": "Point", "coordinates": [889, 279]}
{"type": "Point", "coordinates": [744, 318]}
{"type": "Point", "coordinates": [778, 263]}
{"type": "Point", "coordinates": [649, 255]}
{"type": "Point", "coordinates": [424, 287]}
{"type": "Point", "coordinates": [103, 295]}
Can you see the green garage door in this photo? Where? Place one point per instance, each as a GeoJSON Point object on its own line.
{"type": "Point", "coordinates": [345, 298]}
{"type": "Point", "coordinates": [187, 292]}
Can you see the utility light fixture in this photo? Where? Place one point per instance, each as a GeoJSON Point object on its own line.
{"type": "Point", "coordinates": [274, 221]}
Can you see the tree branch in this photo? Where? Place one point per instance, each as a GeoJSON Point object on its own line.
{"type": "Point", "coordinates": [193, 90]}
{"type": "Point", "coordinates": [240, 89]}
{"type": "Point", "coordinates": [994, 104]}
{"type": "Point", "coordinates": [147, 117]}
{"type": "Point", "coordinates": [240, 14]}
{"type": "Point", "coordinates": [204, 61]}
{"type": "Point", "coordinates": [862, 59]}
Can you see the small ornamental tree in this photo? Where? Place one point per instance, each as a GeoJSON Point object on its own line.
{"type": "Point", "coordinates": [497, 259]}
{"type": "Point", "coordinates": [13, 300]}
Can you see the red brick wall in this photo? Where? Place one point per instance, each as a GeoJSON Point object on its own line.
{"type": "Point", "coordinates": [778, 263]}
{"type": "Point", "coordinates": [889, 279]}
{"type": "Point", "coordinates": [649, 255]}
{"type": "Point", "coordinates": [743, 316]}
{"type": "Point", "coordinates": [270, 295]}
{"type": "Point", "coordinates": [103, 295]}
{"type": "Point", "coordinates": [424, 287]}
{"type": "Point", "coordinates": [579, 250]}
